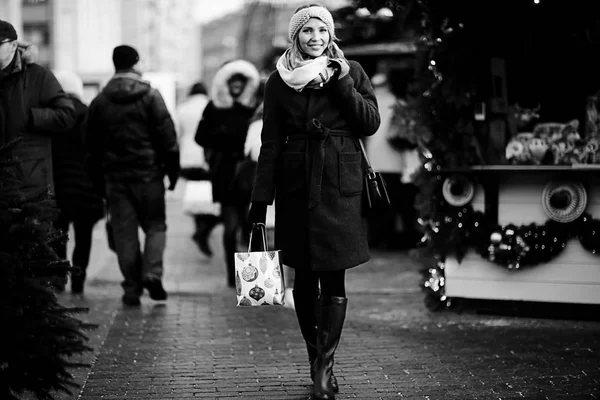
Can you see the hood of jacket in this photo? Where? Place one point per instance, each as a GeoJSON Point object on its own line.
{"type": "Point", "coordinates": [219, 92]}
{"type": "Point", "coordinates": [26, 54]}
{"type": "Point", "coordinates": [126, 86]}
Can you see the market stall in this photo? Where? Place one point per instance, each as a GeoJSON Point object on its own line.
{"type": "Point", "coordinates": [538, 239]}
{"type": "Point", "coordinates": [508, 115]}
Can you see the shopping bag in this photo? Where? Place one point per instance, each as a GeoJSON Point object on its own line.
{"type": "Point", "coordinates": [198, 199]}
{"type": "Point", "coordinates": [259, 274]}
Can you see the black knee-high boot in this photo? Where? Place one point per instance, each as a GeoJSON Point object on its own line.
{"type": "Point", "coordinates": [306, 311]}
{"type": "Point", "coordinates": [330, 322]}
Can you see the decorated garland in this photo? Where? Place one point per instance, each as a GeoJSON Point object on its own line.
{"type": "Point", "coordinates": [513, 247]}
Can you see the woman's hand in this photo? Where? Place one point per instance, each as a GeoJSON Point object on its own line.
{"type": "Point", "coordinates": [341, 66]}
{"type": "Point", "coordinates": [257, 213]}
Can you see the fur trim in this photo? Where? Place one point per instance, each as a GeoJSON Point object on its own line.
{"type": "Point", "coordinates": [219, 92]}
{"type": "Point", "coordinates": [70, 82]}
{"type": "Point", "coordinates": [29, 52]}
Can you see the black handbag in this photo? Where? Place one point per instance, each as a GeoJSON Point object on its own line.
{"type": "Point", "coordinates": [377, 197]}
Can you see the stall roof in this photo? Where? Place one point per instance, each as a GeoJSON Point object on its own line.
{"type": "Point", "coordinates": [381, 49]}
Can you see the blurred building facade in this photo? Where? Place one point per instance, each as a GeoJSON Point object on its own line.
{"type": "Point", "coordinates": [81, 34]}
{"type": "Point", "coordinates": [10, 10]}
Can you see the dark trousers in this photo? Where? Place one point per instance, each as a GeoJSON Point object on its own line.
{"type": "Point", "coordinates": [83, 228]}
{"type": "Point", "coordinates": [133, 205]}
{"type": "Point", "coordinates": [205, 223]}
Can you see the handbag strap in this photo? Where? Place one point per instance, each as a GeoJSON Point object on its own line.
{"type": "Point", "coordinates": [369, 169]}
{"type": "Point", "coordinates": [263, 230]}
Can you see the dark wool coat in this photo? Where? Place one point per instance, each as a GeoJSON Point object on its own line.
{"type": "Point", "coordinates": [33, 107]}
{"type": "Point", "coordinates": [223, 128]}
{"type": "Point", "coordinates": [130, 134]}
{"type": "Point", "coordinates": [310, 163]}
{"type": "Point", "coordinates": [76, 195]}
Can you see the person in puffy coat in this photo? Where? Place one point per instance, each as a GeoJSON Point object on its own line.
{"type": "Point", "coordinates": [33, 108]}
{"type": "Point", "coordinates": [222, 132]}
{"type": "Point", "coordinates": [317, 107]}
{"type": "Point", "coordinates": [132, 140]}
{"type": "Point", "coordinates": [79, 202]}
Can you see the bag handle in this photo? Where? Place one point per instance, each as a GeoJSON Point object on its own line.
{"type": "Point", "coordinates": [369, 170]}
{"type": "Point", "coordinates": [263, 229]}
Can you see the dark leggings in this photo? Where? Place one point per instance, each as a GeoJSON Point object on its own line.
{"type": "Point", "coordinates": [83, 229]}
{"type": "Point", "coordinates": [233, 218]}
{"type": "Point", "coordinates": [331, 283]}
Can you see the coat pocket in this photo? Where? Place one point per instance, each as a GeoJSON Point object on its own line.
{"type": "Point", "coordinates": [351, 173]}
{"type": "Point", "coordinates": [293, 179]}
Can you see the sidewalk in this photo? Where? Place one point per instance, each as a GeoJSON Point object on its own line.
{"type": "Point", "coordinates": [198, 344]}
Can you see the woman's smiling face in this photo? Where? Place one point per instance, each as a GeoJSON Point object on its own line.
{"type": "Point", "coordinates": [314, 37]}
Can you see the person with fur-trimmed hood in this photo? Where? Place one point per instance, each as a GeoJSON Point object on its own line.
{"type": "Point", "coordinates": [33, 107]}
{"type": "Point", "coordinates": [131, 138]}
{"type": "Point", "coordinates": [222, 132]}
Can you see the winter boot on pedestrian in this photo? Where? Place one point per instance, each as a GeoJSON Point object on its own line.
{"type": "Point", "coordinates": [77, 280]}
{"type": "Point", "coordinates": [330, 322]}
{"type": "Point", "coordinates": [205, 223]}
{"type": "Point", "coordinates": [306, 311]}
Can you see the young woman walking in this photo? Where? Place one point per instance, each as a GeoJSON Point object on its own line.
{"type": "Point", "coordinates": [317, 107]}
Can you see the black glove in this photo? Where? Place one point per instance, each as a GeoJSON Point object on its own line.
{"type": "Point", "coordinates": [172, 181]}
{"type": "Point", "coordinates": [257, 213]}
{"type": "Point", "coordinates": [172, 168]}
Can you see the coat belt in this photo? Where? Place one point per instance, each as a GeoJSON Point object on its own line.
{"type": "Point", "coordinates": [317, 135]}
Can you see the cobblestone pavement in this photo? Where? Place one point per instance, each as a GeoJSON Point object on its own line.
{"type": "Point", "coordinates": [198, 344]}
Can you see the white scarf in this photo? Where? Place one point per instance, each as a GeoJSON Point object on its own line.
{"type": "Point", "coordinates": [305, 73]}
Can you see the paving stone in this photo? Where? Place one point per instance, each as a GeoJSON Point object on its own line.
{"type": "Point", "coordinates": [199, 345]}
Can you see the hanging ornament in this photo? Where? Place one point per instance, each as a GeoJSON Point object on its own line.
{"type": "Point", "coordinates": [458, 190]}
{"type": "Point", "coordinates": [496, 238]}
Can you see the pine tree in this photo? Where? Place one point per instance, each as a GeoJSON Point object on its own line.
{"type": "Point", "coordinates": [39, 334]}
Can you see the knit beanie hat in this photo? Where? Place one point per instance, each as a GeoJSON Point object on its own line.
{"type": "Point", "coordinates": [7, 31]}
{"type": "Point", "coordinates": [125, 57]}
{"type": "Point", "coordinates": [70, 82]}
{"type": "Point", "coordinates": [302, 16]}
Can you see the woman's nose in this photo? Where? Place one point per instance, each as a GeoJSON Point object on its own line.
{"type": "Point", "coordinates": [317, 35]}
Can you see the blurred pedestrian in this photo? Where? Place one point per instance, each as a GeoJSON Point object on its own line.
{"type": "Point", "coordinates": [193, 160]}
{"type": "Point", "coordinates": [78, 200]}
{"type": "Point", "coordinates": [33, 107]}
{"type": "Point", "coordinates": [132, 138]}
{"type": "Point", "coordinates": [317, 107]}
{"type": "Point", "coordinates": [222, 132]}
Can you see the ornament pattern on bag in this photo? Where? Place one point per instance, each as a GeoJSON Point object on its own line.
{"type": "Point", "coordinates": [243, 256]}
{"type": "Point", "coordinates": [249, 273]}
{"type": "Point", "coordinates": [259, 279]}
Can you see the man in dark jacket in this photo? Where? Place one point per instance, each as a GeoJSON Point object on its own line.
{"type": "Point", "coordinates": [33, 106]}
{"type": "Point", "coordinates": [131, 137]}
